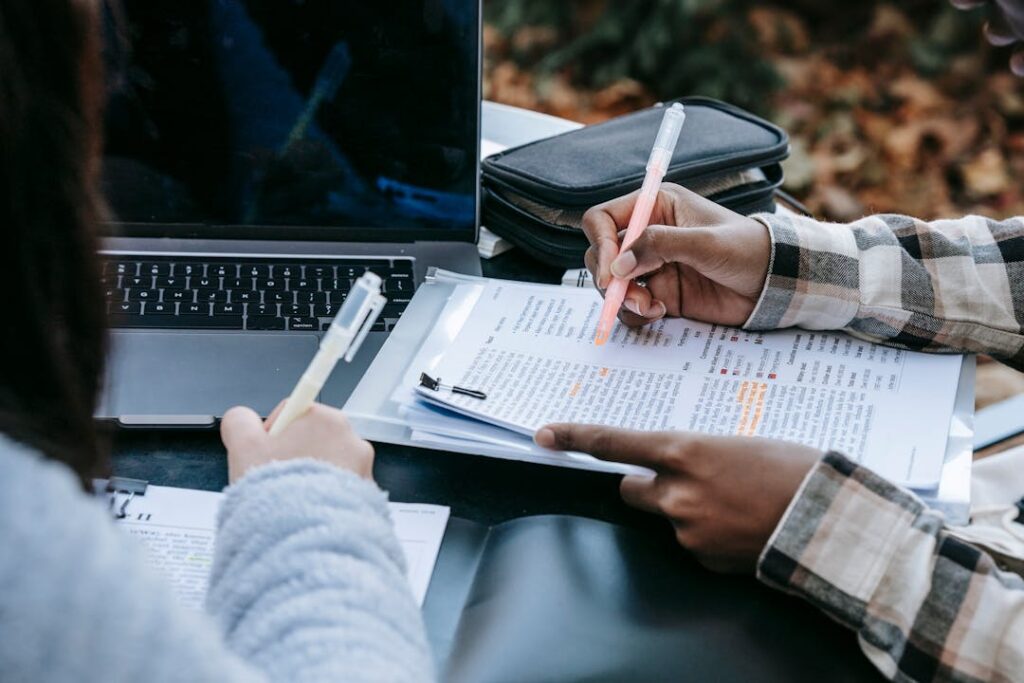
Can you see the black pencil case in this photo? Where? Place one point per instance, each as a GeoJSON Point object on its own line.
{"type": "Point", "coordinates": [535, 195]}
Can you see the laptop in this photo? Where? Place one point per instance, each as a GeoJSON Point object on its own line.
{"type": "Point", "coordinates": [259, 156]}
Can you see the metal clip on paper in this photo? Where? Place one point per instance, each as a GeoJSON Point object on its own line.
{"type": "Point", "coordinates": [435, 385]}
{"type": "Point", "coordinates": [129, 488]}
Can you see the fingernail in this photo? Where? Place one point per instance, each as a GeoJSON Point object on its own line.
{"type": "Point", "coordinates": [603, 282]}
{"type": "Point", "coordinates": [657, 310]}
{"type": "Point", "coordinates": [999, 36]}
{"type": "Point", "coordinates": [624, 264]}
{"type": "Point", "coordinates": [545, 438]}
{"type": "Point", "coordinates": [1017, 64]}
{"type": "Point", "coordinates": [632, 306]}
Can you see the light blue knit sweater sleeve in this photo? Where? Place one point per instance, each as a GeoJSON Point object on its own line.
{"type": "Point", "coordinates": [309, 580]}
{"type": "Point", "coordinates": [307, 586]}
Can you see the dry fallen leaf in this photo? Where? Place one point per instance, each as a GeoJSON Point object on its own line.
{"type": "Point", "coordinates": [985, 174]}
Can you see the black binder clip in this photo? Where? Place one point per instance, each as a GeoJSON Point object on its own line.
{"type": "Point", "coordinates": [435, 385]}
{"type": "Point", "coordinates": [126, 487]}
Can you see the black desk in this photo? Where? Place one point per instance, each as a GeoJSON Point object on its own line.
{"type": "Point", "coordinates": [481, 489]}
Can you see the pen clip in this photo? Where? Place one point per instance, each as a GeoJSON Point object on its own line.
{"type": "Point", "coordinates": [378, 301]}
{"type": "Point", "coordinates": [429, 382]}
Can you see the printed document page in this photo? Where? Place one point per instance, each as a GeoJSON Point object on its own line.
{"type": "Point", "coordinates": [178, 528]}
{"type": "Point", "coordinates": [530, 349]}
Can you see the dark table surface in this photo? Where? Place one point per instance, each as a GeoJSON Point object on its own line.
{"type": "Point", "coordinates": [481, 489]}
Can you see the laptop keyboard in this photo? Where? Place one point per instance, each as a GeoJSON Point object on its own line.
{"type": "Point", "coordinates": [244, 293]}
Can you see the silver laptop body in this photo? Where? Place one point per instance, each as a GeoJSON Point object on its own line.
{"type": "Point", "coordinates": [259, 156]}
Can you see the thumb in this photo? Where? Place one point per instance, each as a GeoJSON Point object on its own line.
{"type": "Point", "coordinates": [647, 449]}
{"type": "Point", "coordinates": [240, 428]}
{"type": "Point", "coordinates": [662, 244]}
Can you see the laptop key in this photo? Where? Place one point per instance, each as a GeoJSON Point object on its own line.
{"type": "Point", "coordinates": [246, 296]}
{"type": "Point", "coordinates": [207, 322]}
{"type": "Point", "coordinates": [189, 269]}
{"type": "Point", "coordinates": [137, 282]}
{"type": "Point", "coordinates": [401, 268]}
{"type": "Point", "coordinates": [238, 283]}
{"type": "Point", "coordinates": [260, 270]}
{"type": "Point", "coordinates": [215, 270]}
{"type": "Point", "coordinates": [304, 297]}
{"type": "Point", "coordinates": [211, 295]}
{"type": "Point", "coordinates": [336, 297]}
{"type": "Point", "coordinates": [163, 268]}
{"type": "Point", "coordinates": [195, 309]}
{"type": "Point", "coordinates": [351, 272]}
{"type": "Point", "coordinates": [397, 284]}
{"type": "Point", "coordinates": [204, 283]}
{"type": "Point", "coordinates": [173, 282]}
{"type": "Point", "coordinates": [338, 284]}
{"type": "Point", "coordinates": [269, 284]}
{"type": "Point", "coordinates": [143, 295]}
{"type": "Point", "coordinates": [287, 270]}
{"type": "Point", "coordinates": [125, 308]}
{"type": "Point", "coordinates": [319, 271]}
{"type": "Point", "coordinates": [264, 322]}
{"type": "Point", "coordinates": [165, 321]}
{"type": "Point", "coordinates": [302, 285]}
{"type": "Point", "coordinates": [263, 310]}
{"type": "Point", "coordinates": [325, 310]}
{"type": "Point", "coordinates": [185, 295]}
{"type": "Point", "coordinates": [158, 308]}
{"type": "Point", "coordinates": [303, 323]}
{"type": "Point", "coordinates": [393, 311]}
{"type": "Point", "coordinates": [279, 297]}
{"type": "Point", "coordinates": [295, 310]}
{"type": "Point", "coordinates": [121, 268]}
{"type": "Point", "coordinates": [227, 309]}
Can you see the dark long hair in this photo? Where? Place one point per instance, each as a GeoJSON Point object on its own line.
{"type": "Point", "coordinates": [54, 340]}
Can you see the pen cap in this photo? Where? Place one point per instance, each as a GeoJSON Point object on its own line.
{"type": "Point", "coordinates": [668, 137]}
{"type": "Point", "coordinates": [354, 309]}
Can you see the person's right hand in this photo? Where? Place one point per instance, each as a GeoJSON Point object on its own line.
{"type": "Point", "coordinates": [700, 260]}
{"type": "Point", "coordinates": [322, 432]}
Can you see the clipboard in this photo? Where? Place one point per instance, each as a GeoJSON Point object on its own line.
{"type": "Point", "coordinates": [378, 416]}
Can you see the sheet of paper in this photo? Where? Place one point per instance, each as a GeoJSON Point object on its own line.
{"type": "Point", "coordinates": [420, 530]}
{"type": "Point", "coordinates": [530, 349]}
{"type": "Point", "coordinates": [178, 529]}
{"type": "Point", "coordinates": [435, 425]}
{"type": "Point", "coordinates": [489, 147]}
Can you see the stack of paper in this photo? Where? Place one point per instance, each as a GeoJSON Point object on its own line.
{"type": "Point", "coordinates": [178, 529]}
{"type": "Point", "coordinates": [529, 349]}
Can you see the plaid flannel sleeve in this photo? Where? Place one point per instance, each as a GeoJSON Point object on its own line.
{"type": "Point", "coordinates": [925, 606]}
{"type": "Point", "coordinates": [945, 286]}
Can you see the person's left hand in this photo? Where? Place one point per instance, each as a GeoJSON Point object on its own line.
{"type": "Point", "coordinates": [723, 495]}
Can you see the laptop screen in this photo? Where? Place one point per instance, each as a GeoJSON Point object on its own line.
{"type": "Point", "coordinates": [290, 113]}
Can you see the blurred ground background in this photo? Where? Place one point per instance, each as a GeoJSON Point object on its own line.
{"type": "Point", "coordinates": [891, 107]}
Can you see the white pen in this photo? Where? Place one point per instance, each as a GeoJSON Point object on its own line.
{"type": "Point", "coordinates": [344, 337]}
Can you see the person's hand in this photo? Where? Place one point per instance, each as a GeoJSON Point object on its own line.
{"type": "Point", "coordinates": [321, 432]}
{"type": "Point", "coordinates": [1005, 26]}
{"type": "Point", "coordinates": [700, 260]}
{"type": "Point", "coordinates": [723, 495]}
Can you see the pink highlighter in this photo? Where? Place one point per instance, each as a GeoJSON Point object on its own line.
{"type": "Point", "coordinates": [657, 166]}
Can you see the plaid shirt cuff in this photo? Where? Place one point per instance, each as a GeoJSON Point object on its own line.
{"type": "Point", "coordinates": [813, 276]}
{"type": "Point", "coordinates": [835, 543]}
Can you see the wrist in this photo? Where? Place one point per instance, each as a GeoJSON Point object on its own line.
{"type": "Point", "coordinates": [813, 276]}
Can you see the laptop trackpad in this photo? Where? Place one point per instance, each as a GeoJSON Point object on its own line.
{"type": "Point", "coordinates": [183, 378]}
